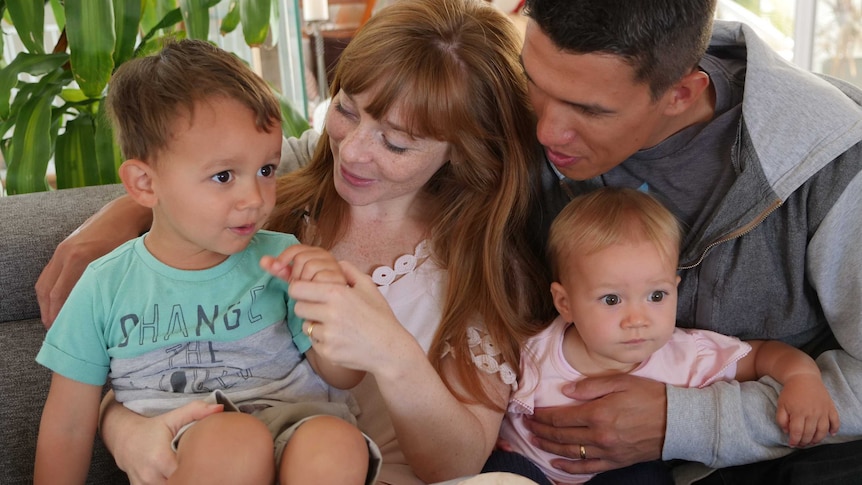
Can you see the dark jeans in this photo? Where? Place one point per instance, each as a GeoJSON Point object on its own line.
{"type": "Point", "coordinates": [650, 473]}
{"type": "Point", "coordinates": [837, 464]}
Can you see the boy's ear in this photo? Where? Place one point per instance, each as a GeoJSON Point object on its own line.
{"type": "Point", "coordinates": [137, 177]}
{"type": "Point", "coordinates": [561, 301]}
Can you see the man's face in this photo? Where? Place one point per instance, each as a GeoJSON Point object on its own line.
{"type": "Point", "coordinates": [591, 113]}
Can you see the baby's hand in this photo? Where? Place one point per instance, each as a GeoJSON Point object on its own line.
{"type": "Point", "coordinates": [304, 263]}
{"type": "Point", "coordinates": [806, 411]}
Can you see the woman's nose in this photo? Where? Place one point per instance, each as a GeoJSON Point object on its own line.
{"type": "Point", "coordinates": [355, 146]}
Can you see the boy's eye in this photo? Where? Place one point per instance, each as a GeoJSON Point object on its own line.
{"type": "Point", "coordinates": [222, 177]}
{"type": "Point", "coordinates": [656, 296]}
{"type": "Point", "coordinates": [267, 170]}
{"type": "Point", "coordinates": [611, 300]}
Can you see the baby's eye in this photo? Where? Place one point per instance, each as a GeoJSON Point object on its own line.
{"type": "Point", "coordinates": [611, 300]}
{"type": "Point", "coordinates": [223, 177]}
{"type": "Point", "coordinates": [656, 296]}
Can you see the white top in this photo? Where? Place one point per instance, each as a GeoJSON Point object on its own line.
{"type": "Point", "coordinates": [414, 288]}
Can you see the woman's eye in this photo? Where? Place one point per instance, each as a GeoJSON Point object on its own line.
{"type": "Point", "coordinates": [393, 148]}
{"type": "Point", "coordinates": [611, 300]}
{"type": "Point", "coordinates": [222, 177]}
{"type": "Point", "coordinates": [342, 110]}
{"type": "Point", "coordinates": [656, 296]}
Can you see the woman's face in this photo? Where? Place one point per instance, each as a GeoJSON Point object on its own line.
{"type": "Point", "coordinates": [377, 162]}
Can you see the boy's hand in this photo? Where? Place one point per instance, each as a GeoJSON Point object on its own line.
{"type": "Point", "coordinates": [304, 263]}
{"type": "Point", "coordinates": [806, 411]}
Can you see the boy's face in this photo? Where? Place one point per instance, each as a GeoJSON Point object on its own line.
{"type": "Point", "coordinates": [622, 301]}
{"type": "Point", "coordinates": [214, 185]}
{"type": "Point", "coordinates": [592, 115]}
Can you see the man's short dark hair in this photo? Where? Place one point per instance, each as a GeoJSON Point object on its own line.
{"type": "Point", "coordinates": [663, 40]}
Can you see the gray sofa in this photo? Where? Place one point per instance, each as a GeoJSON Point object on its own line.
{"type": "Point", "coordinates": [31, 226]}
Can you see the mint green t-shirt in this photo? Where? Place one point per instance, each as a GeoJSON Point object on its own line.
{"type": "Point", "coordinates": [158, 332]}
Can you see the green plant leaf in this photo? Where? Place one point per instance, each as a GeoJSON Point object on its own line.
{"type": "Point", "coordinates": [31, 147]}
{"type": "Point", "coordinates": [231, 18]}
{"type": "Point", "coordinates": [59, 14]}
{"type": "Point", "coordinates": [273, 22]}
{"type": "Point", "coordinates": [292, 122]}
{"type": "Point", "coordinates": [35, 64]}
{"type": "Point", "coordinates": [75, 145]}
{"type": "Point", "coordinates": [2, 37]}
{"type": "Point", "coordinates": [28, 17]}
{"type": "Point", "coordinates": [195, 19]}
{"type": "Point", "coordinates": [154, 11]}
{"type": "Point", "coordinates": [127, 18]}
{"type": "Point", "coordinates": [254, 17]}
{"type": "Point", "coordinates": [90, 31]}
{"type": "Point", "coordinates": [72, 95]}
{"type": "Point", "coordinates": [108, 157]}
{"type": "Point", "coordinates": [171, 18]}
{"type": "Point", "coordinates": [196, 16]}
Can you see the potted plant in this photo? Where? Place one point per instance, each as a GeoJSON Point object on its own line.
{"type": "Point", "coordinates": [60, 113]}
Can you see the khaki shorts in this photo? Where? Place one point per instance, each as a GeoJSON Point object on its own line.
{"type": "Point", "coordinates": [283, 419]}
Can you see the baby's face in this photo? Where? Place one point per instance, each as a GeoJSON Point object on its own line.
{"type": "Point", "coordinates": [215, 185]}
{"type": "Point", "coordinates": [622, 301]}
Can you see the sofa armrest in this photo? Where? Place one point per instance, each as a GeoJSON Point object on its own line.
{"type": "Point", "coordinates": [31, 226]}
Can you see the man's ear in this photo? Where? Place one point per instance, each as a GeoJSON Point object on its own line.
{"type": "Point", "coordinates": [687, 92]}
{"type": "Point", "coordinates": [561, 301]}
{"type": "Point", "coordinates": [137, 177]}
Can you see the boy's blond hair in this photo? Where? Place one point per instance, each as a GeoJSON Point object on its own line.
{"type": "Point", "coordinates": [146, 95]}
{"type": "Point", "coordinates": [609, 216]}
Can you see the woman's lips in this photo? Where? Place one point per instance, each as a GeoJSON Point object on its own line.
{"type": "Point", "coordinates": [355, 180]}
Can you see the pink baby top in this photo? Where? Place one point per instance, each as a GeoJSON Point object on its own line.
{"type": "Point", "coordinates": [692, 358]}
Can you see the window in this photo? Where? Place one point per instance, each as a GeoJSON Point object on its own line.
{"type": "Point", "coordinates": [823, 36]}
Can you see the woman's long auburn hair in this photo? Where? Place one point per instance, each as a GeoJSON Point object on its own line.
{"type": "Point", "coordinates": [453, 65]}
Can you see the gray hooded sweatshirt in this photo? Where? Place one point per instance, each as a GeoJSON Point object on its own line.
{"type": "Point", "coordinates": [781, 256]}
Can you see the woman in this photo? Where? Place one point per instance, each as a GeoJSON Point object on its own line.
{"type": "Point", "coordinates": [422, 178]}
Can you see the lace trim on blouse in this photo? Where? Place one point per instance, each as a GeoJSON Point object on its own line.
{"type": "Point", "coordinates": [483, 353]}
{"type": "Point", "coordinates": [384, 275]}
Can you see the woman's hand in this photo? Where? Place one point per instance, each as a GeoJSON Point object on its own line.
{"type": "Point", "coordinates": [440, 436]}
{"type": "Point", "coordinates": [142, 446]}
{"type": "Point", "coordinates": [306, 263]}
{"type": "Point", "coordinates": [354, 326]}
{"type": "Point", "coordinates": [119, 221]}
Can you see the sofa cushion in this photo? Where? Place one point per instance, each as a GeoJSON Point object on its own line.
{"type": "Point", "coordinates": [31, 226]}
{"type": "Point", "coordinates": [24, 387]}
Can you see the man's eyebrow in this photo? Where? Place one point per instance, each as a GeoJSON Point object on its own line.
{"type": "Point", "coordinates": [589, 107]}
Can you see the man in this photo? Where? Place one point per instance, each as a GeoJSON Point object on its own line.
{"type": "Point", "coordinates": [762, 163]}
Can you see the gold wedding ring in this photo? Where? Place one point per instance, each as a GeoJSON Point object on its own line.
{"type": "Point", "coordinates": [311, 329]}
{"type": "Point", "coordinates": [582, 449]}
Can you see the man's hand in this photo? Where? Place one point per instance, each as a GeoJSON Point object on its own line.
{"type": "Point", "coordinates": [621, 422]}
{"type": "Point", "coordinates": [120, 220]}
